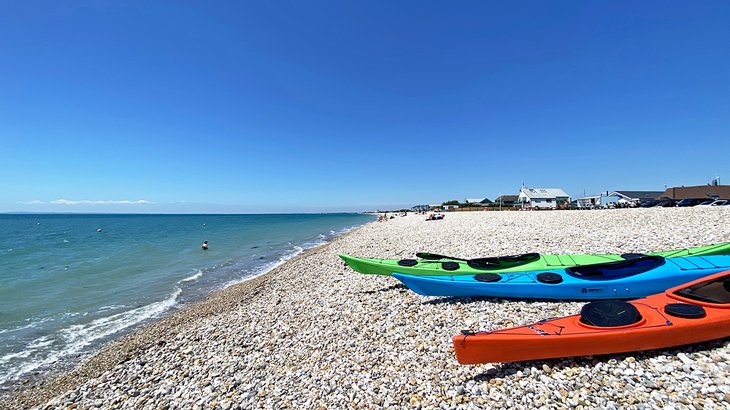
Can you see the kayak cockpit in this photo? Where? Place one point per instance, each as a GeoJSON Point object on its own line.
{"type": "Point", "coordinates": [616, 270]}
{"type": "Point", "coordinates": [716, 291]}
{"type": "Point", "coordinates": [502, 262]}
{"type": "Point", "coordinates": [496, 262]}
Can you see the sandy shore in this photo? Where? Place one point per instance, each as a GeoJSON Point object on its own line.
{"type": "Point", "coordinates": [314, 334]}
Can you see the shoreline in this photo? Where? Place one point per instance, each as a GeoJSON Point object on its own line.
{"type": "Point", "coordinates": [121, 349]}
{"type": "Point", "coordinates": [313, 333]}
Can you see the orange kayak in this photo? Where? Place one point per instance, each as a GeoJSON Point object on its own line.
{"type": "Point", "coordinates": [694, 312]}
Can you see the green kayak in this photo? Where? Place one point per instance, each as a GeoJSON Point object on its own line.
{"type": "Point", "coordinates": [431, 264]}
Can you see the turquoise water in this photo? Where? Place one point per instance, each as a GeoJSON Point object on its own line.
{"type": "Point", "coordinates": [71, 282]}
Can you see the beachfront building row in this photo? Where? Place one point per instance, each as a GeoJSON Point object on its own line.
{"type": "Point", "coordinates": [556, 198]}
{"type": "Point", "coordinates": [633, 198]}
{"type": "Point", "coordinates": [528, 198]}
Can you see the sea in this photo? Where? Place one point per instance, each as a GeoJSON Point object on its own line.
{"type": "Point", "coordinates": [71, 282]}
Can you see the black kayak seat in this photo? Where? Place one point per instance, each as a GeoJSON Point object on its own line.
{"type": "Point", "coordinates": [449, 266]}
{"type": "Point", "coordinates": [685, 310]}
{"type": "Point", "coordinates": [501, 262]}
{"type": "Point", "coordinates": [633, 255]}
{"type": "Point", "coordinates": [488, 277]}
{"type": "Point", "coordinates": [407, 262]}
{"type": "Point", "coordinates": [609, 313]}
{"type": "Point", "coordinates": [616, 270]}
{"type": "Point", "coordinates": [549, 278]}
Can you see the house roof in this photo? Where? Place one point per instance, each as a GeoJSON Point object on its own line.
{"type": "Point", "coordinates": [476, 200]}
{"type": "Point", "coordinates": [506, 198]}
{"type": "Point", "coordinates": [700, 191]}
{"type": "Point", "coordinates": [486, 201]}
{"type": "Point", "coordinates": [637, 194]}
{"type": "Point", "coordinates": [535, 193]}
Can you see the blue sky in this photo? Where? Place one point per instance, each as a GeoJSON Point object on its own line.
{"type": "Point", "coordinates": [327, 106]}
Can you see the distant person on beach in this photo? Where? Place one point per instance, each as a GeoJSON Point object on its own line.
{"type": "Point", "coordinates": [205, 245]}
{"type": "Point", "coordinates": [435, 217]}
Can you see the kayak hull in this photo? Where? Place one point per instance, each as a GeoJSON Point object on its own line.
{"type": "Point", "coordinates": [569, 336]}
{"type": "Point", "coordinates": [527, 285]}
{"type": "Point", "coordinates": [424, 267]}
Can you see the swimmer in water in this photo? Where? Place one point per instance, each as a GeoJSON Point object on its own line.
{"type": "Point", "coordinates": [205, 245]}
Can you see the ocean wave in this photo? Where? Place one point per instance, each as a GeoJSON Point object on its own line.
{"type": "Point", "coordinates": [191, 278]}
{"type": "Point", "coordinates": [109, 307]}
{"type": "Point", "coordinates": [16, 355]}
{"type": "Point", "coordinates": [40, 342]}
{"type": "Point", "coordinates": [291, 253]}
{"type": "Point", "coordinates": [288, 255]}
{"type": "Point", "coordinates": [33, 324]}
{"type": "Point", "coordinates": [76, 337]}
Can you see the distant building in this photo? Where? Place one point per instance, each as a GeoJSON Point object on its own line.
{"type": "Point", "coordinates": [478, 201]}
{"type": "Point", "coordinates": [543, 198]}
{"type": "Point", "coordinates": [608, 200]}
{"type": "Point", "coordinates": [588, 202]}
{"type": "Point", "coordinates": [506, 200]}
{"type": "Point", "coordinates": [635, 196]}
{"type": "Point", "coordinates": [700, 191]}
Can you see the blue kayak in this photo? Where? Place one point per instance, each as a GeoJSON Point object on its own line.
{"type": "Point", "coordinates": [628, 279]}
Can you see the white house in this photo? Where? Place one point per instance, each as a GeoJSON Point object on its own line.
{"type": "Point", "coordinates": [589, 202]}
{"type": "Point", "coordinates": [545, 198]}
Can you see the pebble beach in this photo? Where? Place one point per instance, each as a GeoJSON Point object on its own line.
{"type": "Point", "coordinates": [313, 333]}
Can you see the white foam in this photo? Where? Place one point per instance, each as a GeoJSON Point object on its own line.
{"type": "Point", "coordinates": [28, 326]}
{"type": "Point", "coordinates": [16, 355]}
{"type": "Point", "coordinates": [76, 337]}
{"type": "Point", "coordinates": [110, 307]}
{"type": "Point", "coordinates": [192, 278]}
{"type": "Point", "coordinates": [40, 342]}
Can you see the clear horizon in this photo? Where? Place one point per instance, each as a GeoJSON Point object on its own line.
{"type": "Point", "coordinates": [289, 107]}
